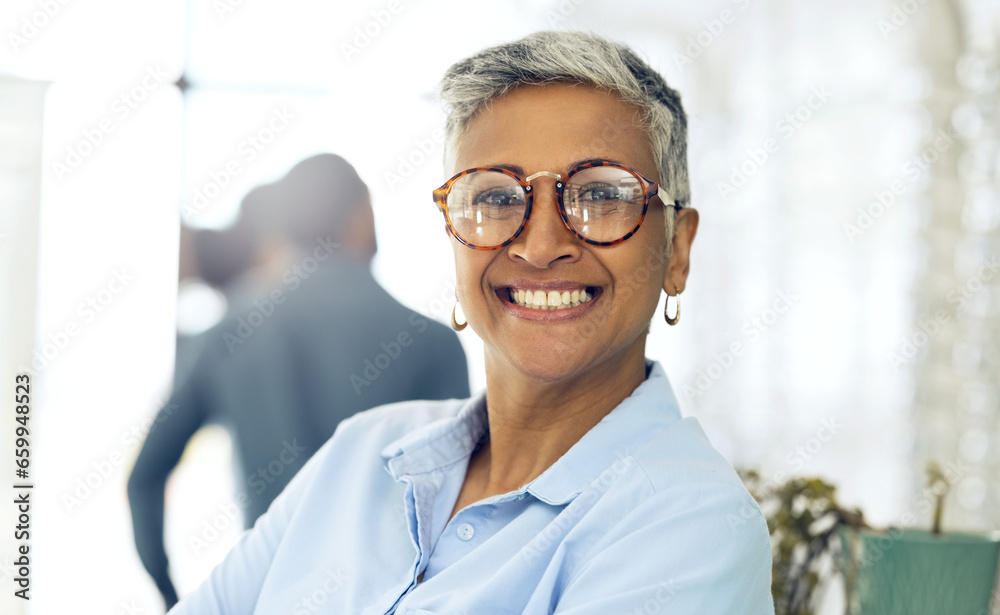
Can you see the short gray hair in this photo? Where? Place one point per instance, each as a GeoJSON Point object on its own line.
{"type": "Point", "coordinates": [575, 57]}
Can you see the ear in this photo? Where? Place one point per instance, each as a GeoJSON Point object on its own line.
{"type": "Point", "coordinates": [685, 228]}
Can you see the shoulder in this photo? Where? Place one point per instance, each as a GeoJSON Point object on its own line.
{"type": "Point", "coordinates": [681, 491]}
{"type": "Point", "coordinates": [692, 489]}
{"type": "Point", "coordinates": [359, 440]}
{"type": "Point", "coordinates": [682, 455]}
{"type": "Point", "coordinates": [683, 469]}
{"type": "Point", "coordinates": [680, 513]}
{"type": "Point", "coordinates": [382, 425]}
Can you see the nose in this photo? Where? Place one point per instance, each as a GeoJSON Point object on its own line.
{"type": "Point", "coordinates": [545, 240]}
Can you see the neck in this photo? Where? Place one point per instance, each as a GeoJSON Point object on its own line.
{"type": "Point", "coordinates": [533, 423]}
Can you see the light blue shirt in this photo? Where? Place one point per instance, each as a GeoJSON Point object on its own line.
{"type": "Point", "coordinates": [641, 515]}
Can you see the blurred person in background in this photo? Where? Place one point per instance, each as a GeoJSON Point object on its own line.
{"type": "Point", "coordinates": [309, 339]}
{"type": "Point", "coordinates": [212, 278]}
{"type": "Point", "coordinates": [571, 484]}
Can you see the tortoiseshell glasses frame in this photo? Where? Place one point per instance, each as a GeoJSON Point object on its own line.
{"type": "Point", "coordinates": [649, 188]}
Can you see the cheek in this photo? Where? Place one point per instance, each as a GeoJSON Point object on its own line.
{"type": "Point", "coordinates": [642, 276]}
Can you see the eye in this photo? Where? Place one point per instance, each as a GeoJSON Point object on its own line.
{"type": "Point", "coordinates": [598, 193]}
{"type": "Point", "coordinates": [499, 197]}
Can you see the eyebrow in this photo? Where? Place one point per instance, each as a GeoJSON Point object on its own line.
{"type": "Point", "coordinates": [520, 170]}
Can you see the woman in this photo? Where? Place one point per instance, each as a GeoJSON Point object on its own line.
{"type": "Point", "coordinates": [571, 484]}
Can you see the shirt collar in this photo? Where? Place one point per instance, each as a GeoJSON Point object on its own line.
{"type": "Point", "coordinates": [440, 443]}
{"type": "Point", "coordinates": [650, 408]}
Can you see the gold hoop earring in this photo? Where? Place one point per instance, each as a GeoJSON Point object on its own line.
{"type": "Point", "coordinates": [677, 310]}
{"type": "Point", "coordinates": [454, 322]}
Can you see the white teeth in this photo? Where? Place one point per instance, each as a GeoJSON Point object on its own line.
{"type": "Point", "coordinates": [551, 300]}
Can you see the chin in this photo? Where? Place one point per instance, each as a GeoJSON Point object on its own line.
{"type": "Point", "coordinates": [554, 364]}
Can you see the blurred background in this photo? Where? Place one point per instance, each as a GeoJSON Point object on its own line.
{"type": "Point", "coordinates": [841, 318]}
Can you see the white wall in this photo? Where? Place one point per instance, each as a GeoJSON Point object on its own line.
{"type": "Point", "coordinates": [21, 104]}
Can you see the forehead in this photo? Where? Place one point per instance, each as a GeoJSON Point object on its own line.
{"type": "Point", "coordinates": [551, 127]}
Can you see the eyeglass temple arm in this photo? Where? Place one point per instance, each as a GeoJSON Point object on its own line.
{"type": "Point", "coordinates": [667, 199]}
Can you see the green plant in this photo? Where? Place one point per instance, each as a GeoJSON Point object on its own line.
{"type": "Point", "coordinates": [803, 518]}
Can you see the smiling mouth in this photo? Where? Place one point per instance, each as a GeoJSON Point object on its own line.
{"type": "Point", "coordinates": [540, 299]}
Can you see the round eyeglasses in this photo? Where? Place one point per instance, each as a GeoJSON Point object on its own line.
{"type": "Point", "coordinates": [600, 202]}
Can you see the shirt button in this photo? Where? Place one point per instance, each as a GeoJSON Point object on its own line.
{"type": "Point", "coordinates": [465, 531]}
